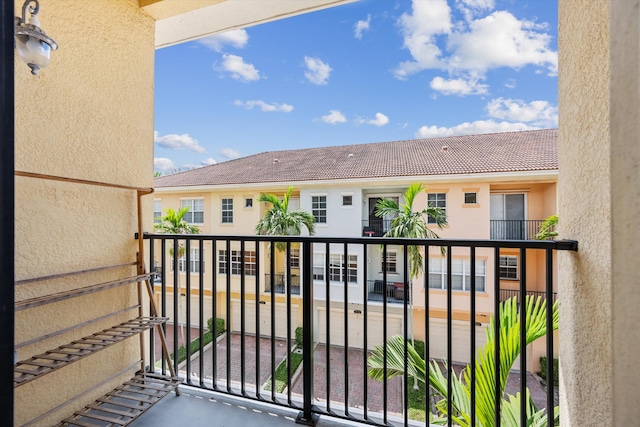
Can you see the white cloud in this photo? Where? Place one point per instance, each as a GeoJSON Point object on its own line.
{"type": "Point", "coordinates": [501, 40]}
{"type": "Point", "coordinates": [471, 8]}
{"type": "Point", "coordinates": [379, 121]}
{"type": "Point", "coordinates": [238, 69]}
{"type": "Point", "coordinates": [511, 84]}
{"type": "Point", "coordinates": [178, 142]}
{"type": "Point", "coordinates": [458, 86]}
{"type": "Point", "coordinates": [472, 46]}
{"type": "Point", "coordinates": [229, 153]}
{"type": "Point", "coordinates": [471, 128]}
{"type": "Point", "coordinates": [208, 161]}
{"type": "Point", "coordinates": [164, 165]}
{"type": "Point", "coordinates": [250, 104]}
{"type": "Point", "coordinates": [318, 72]}
{"type": "Point", "coordinates": [233, 38]}
{"type": "Point", "coordinates": [428, 19]}
{"type": "Point", "coordinates": [362, 26]}
{"type": "Point", "coordinates": [539, 113]}
{"type": "Point", "coordinates": [334, 116]}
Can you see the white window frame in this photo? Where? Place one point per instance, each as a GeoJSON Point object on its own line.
{"type": "Point", "coordinates": [226, 210]}
{"type": "Point", "coordinates": [337, 268]}
{"type": "Point", "coordinates": [318, 266]}
{"type": "Point", "coordinates": [317, 211]}
{"type": "Point", "coordinates": [157, 211]}
{"type": "Point", "coordinates": [350, 198]}
{"type": "Point", "coordinates": [475, 194]}
{"type": "Point", "coordinates": [248, 202]}
{"type": "Point", "coordinates": [440, 202]}
{"type": "Point", "coordinates": [392, 260]}
{"type": "Point", "coordinates": [236, 262]}
{"type": "Point", "coordinates": [437, 271]}
{"type": "Point", "coordinates": [510, 264]}
{"type": "Point", "coordinates": [190, 216]}
{"type": "Point", "coordinates": [294, 258]}
{"type": "Point", "coordinates": [194, 262]}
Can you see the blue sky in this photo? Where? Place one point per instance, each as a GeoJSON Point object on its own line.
{"type": "Point", "coordinates": [370, 71]}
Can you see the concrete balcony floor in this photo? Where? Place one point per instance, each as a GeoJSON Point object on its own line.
{"type": "Point", "coordinates": [200, 408]}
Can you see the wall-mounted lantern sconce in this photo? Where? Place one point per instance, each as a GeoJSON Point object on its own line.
{"type": "Point", "coordinates": [33, 45]}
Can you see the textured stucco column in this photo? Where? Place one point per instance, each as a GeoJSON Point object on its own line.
{"type": "Point", "coordinates": [625, 209]}
{"type": "Point", "coordinates": [599, 198]}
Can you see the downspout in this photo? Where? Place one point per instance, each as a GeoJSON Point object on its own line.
{"type": "Point", "coordinates": [7, 213]}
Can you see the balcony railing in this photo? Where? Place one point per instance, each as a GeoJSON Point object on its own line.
{"type": "Point", "coordinates": [505, 294]}
{"type": "Point", "coordinates": [514, 229]}
{"type": "Point", "coordinates": [393, 292]}
{"type": "Point", "coordinates": [338, 328]}
{"type": "Point", "coordinates": [279, 282]}
{"type": "Point", "coordinates": [375, 227]}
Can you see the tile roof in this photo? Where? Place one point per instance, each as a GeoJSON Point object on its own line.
{"type": "Point", "coordinates": [471, 154]}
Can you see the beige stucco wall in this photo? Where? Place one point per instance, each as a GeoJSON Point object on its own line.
{"type": "Point", "coordinates": [89, 115]}
{"type": "Point", "coordinates": [591, 313]}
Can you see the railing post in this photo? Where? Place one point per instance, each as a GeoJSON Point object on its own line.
{"type": "Point", "coordinates": [7, 214]}
{"type": "Point", "coordinates": [306, 416]}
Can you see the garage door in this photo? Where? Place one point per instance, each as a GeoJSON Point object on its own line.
{"type": "Point", "coordinates": [355, 321]}
{"type": "Point", "coordinates": [265, 318]}
{"type": "Point", "coordinates": [460, 340]}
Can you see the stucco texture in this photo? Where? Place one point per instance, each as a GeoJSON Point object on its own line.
{"type": "Point", "coordinates": [89, 115]}
{"type": "Point", "coordinates": [585, 213]}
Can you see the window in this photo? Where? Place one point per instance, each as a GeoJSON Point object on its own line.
{"type": "Point", "coordinates": [194, 262]}
{"type": "Point", "coordinates": [470, 198]}
{"type": "Point", "coordinates": [294, 258]}
{"type": "Point", "coordinates": [509, 267]}
{"type": "Point", "coordinates": [392, 262]}
{"type": "Point", "coordinates": [436, 200]}
{"type": "Point", "coordinates": [196, 211]}
{"type": "Point", "coordinates": [227, 211]}
{"type": "Point", "coordinates": [236, 262]}
{"type": "Point", "coordinates": [319, 208]}
{"type": "Point", "coordinates": [337, 268]}
{"type": "Point", "coordinates": [318, 266]}
{"type": "Point", "coordinates": [248, 202]}
{"type": "Point", "coordinates": [347, 200]}
{"type": "Point", "coordinates": [460, 274]}
{"type": "Point", "coordinates": [157, 211]}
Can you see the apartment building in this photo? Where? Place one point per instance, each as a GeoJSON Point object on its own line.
{"type": "Point", "coordinates": [494, 186]}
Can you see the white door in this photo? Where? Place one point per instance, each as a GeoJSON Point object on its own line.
{"type": "Point", "coordinates": [355, 328]}
{"type": "Point", "coordinates": [460, 340]}
{"type": "Point", "coordinates": [265, 318]}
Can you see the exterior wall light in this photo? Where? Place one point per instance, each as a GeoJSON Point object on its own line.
{"type": "Point", "coordinates": [33, 45]}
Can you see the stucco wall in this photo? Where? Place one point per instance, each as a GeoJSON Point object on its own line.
{"type": "Point", "coordinates": [584, 185]}
{"type": "Point", "coordinates": [89, 115]}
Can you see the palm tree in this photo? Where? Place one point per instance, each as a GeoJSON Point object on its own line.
{"type": "Point", "coordinates": [407, 223]}
{"type": "Point", "coordinates": [548, 228]}
{"type": "Point", "coordinates": [535, 321]}
{"type": "Point", "coordinates": [172, 222]}
{"type": "Point", "coordinates": [278, 221]}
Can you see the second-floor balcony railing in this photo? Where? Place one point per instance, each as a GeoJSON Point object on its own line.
{"type": "Point", "coordinates": [313, 353]}
{"type": "Point", "coordinates": [514, 229]}
{"type": "Point", "coordinates": [375, 227]}
{"type": "Point", "coordinates": [279, 281]}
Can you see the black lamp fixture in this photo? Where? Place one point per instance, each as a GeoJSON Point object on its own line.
{"type": "Point", "coordinates": [33, 44]}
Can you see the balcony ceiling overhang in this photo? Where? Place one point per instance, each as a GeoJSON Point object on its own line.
{"type": "Point", "coordinates": [179, 21]}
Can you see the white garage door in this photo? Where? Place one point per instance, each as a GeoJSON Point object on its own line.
{"type": "Point", "coordinates": [355, 321]}
{"type": "Point", "coordinates": [460, 340]}
{"type": "Point", "coordinates": [265, 318]}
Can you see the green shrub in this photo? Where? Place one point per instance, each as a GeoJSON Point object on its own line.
{"type": "Point", "coordinates": [299, 335]}
{"type": "Point", "coordinates": [281, 371]}
{"type": "Point", "coordinates": [219, 326]}
{"type": "Point", "coordinates": [543, 370]}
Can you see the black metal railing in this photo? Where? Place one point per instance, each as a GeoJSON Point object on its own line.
{"type": "Point", "coordinates": [279, 281]}
{"type": "Point", "coordinates": [393, 292]}
{"type": "Point", "coordinates": [505, 294]}
{"type": "Point", "coordinates": [375, 227]}
{"type": "Point", "coordinates": [340, 324]}
{"type": "Point", "coordinates": [514, 229]}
